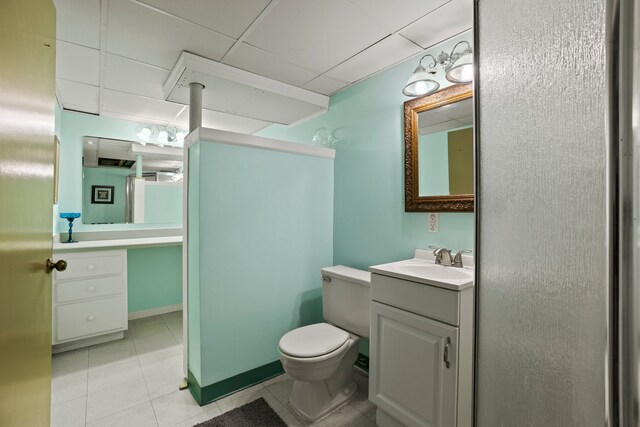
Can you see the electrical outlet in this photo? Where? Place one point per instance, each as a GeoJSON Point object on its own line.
{"type": "Point", "coordinates": [432, 223]}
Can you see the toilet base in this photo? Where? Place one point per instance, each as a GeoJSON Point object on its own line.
{"type": "Point", "coordinates": [314, 400]}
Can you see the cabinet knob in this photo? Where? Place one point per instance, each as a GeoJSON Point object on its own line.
{"type": "Point", "coordinates": [91, 318]}
{"type": "Point", "coordinates": [91, 289]}
{"type": "Point", "coordinates": [91, 267]}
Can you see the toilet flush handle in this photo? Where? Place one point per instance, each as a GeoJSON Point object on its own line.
{"type": "Point", "coordinates": [326, 279]}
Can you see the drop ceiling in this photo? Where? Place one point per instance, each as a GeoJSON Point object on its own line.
{"type": "Point", "coordinates": [113, 56]}
{"type": "Point", "coordinates": [446, 117]}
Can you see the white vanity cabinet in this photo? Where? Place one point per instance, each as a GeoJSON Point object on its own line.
{"type": "Point", "coordinates": [421, 356]}
{"type": "Point", "coordinates": [89, 298]}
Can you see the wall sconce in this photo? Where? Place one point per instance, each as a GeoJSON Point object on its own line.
{"type": "Point", "coordinates": [161, 135]}
{"type": "Point", "coordinates": [422, 81]}
{"type": "Point", "coordinates": [458, 67]}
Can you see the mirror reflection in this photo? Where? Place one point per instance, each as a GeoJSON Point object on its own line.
{"type": "Point", "coordinates": [128, 182]}
{"type": "Point", "coordinates": [445, 149]}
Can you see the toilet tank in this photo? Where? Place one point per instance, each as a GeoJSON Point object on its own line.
{"type": "Point", "coordinates": [346, 298]}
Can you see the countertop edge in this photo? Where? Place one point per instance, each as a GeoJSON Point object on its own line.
{"type": "Point", "coordinates": [448, 286]}
{"type": "Point", "coordinates": [118, 243]}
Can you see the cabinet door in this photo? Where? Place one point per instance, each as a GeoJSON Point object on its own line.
{"type": "Point", "coordinates": [409, 376]}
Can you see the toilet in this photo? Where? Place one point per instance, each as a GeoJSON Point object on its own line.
{"type": "Point", "coordinates": [320, 357]}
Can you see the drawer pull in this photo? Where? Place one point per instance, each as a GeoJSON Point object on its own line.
{"type": "Point", "coordinates": [91, 289]}
{"type": "Point", "coordinates": [446, 353]}
{"type": "Point", "coordinates": [91, 318]}
{"type": "Point", "coordinates": [91, 267]}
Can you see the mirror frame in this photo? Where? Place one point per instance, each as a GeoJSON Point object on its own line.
{"type": "Point", "coordinates": [413, 202]}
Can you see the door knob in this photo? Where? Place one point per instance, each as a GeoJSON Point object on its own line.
{"type": "Point", "coordinates": [60, 265]}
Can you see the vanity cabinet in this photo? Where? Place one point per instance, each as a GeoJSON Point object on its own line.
{"type": "Point", "coordinates": [90, 298]}
{"type": "Point", "coordinates": [421, 353]}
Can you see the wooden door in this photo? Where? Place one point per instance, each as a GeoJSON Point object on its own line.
{"type": "Point", "coordinates": [27, 121]}
{"type": "Point", "coordinates": [409, 376]}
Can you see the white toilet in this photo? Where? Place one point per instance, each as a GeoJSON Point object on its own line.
{"type": "Point", "coordinates": [320, 357]}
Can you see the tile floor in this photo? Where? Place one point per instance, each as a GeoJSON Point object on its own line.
{"type": "Point", "coordinates": [134, 382]}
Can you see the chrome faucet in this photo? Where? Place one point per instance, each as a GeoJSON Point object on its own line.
{"type": "Point", "coordinates": [443, 256]}
{"type": "Point", "coordinates": [457, 260]}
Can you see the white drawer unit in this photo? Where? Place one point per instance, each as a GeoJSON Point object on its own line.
{"type": "Point", "coordinates": [89, 297]}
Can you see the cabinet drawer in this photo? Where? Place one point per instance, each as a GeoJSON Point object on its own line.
{"type": "Point", "coordinates": [430, 301]}
{"type": "Point", "coordinates": [89, 318]}
{"type": "Point", "coordinates": [88, 288]}
{"type": "Point", "coordinates": [92, 264]}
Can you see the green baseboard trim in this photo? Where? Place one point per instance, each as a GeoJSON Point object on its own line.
{"type": "Point", "coordinates": [362, 362]}
{"type": "Point", "coordinates": [209, 393]}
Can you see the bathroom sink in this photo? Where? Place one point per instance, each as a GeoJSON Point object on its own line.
{"type": "Point", "coordinates": [423, 269]}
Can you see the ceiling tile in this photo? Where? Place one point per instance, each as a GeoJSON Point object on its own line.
{"type": "Point", "coordinates": [77, 63]}
{"type": "Point", "coordinates": [222, 121]}
{"type": "Point", "coordinates": [256, 61]}
{"type": "Point", "coordinates": [78, 96]}
{"type": "Point", "coordinates": [78, 21]}
{"type": "Point", "coordinates": [383, 54]}
{"type": "Point", "coordinates": [397, 14]}
{"type": "Point", "coordinates": [125, 75]}
{"type": "Point", "coordinates": [325, 85]}
{"type": "Point", "coordinates": [138, 107]}
{"type": "Point", "coordinates": [276, 108]}
{"type": "Point", "coordinates": [230, 17]}
{"type": "Point", "coordinates": [137, 32]}
{"type": "Point", "coordinates": [445, 22]}
{"type": "Point", "coordinates": [317, 35]}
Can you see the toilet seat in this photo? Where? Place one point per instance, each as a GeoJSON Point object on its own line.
{"type": "Point", "coordinates": [313, 340]}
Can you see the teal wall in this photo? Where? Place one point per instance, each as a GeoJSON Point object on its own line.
{"type": "Point", "coordinates": [155, 277]}
{"type": "Point", "coordinates": [370, 225]}
{"type": "Point", "coordinates": [262, 242]}
{"type": "Point", "coordinates": [101, 213]}
{"type": "Point", "coordinates": [154, 274]}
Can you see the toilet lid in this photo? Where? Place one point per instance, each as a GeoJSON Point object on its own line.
{"type": "Point", "coordinates": [313, 340]}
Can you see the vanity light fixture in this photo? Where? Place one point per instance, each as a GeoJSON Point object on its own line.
{"type": "Point", "coordinates": [422, 81]}
{"type": "Point", "coordinates": [458, 68]}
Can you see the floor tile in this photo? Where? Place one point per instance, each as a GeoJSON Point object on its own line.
{"type": "Point", "coordinates": [163, 371]}
{"type": "Point", "coordinates": [113, 351]}
{"type": "Point", "coordinates": [68, 386]}
{"type": "Point", "coordinates": [249, 395]}
{"type": "Point", "coordinates": [70, 361]}
{"type": "Point", "coordinates": [175, 407]}
{"type": "Point", "coordinates": [116, 399]}
{"type": "Point", "coordinates": [104, 377]}
{"type": "Point", "coordinates": [69, 414]}
{"type": "Point", "coordinates": [346, 416]}
{"type": "Point", "coordinates": [158, 342]}
{"type": "Point", "coordinates": [141, 415]}
{"type": "Point", "coordinates": [281, 389]}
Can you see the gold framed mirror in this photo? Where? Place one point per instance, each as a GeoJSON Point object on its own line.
{"type": "Point", "coordinates": [438, 146]}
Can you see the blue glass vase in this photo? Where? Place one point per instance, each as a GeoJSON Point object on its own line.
{"type": "Point", "coordinates": [70, 216]}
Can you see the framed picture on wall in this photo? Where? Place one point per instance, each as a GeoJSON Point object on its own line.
{"type": "Point", "coordinates": [102, 194]}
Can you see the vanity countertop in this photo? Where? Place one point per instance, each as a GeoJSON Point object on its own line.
{"type": "Point", "coordinates": [422, 269]}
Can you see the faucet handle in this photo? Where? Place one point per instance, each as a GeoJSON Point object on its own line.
{"type": "Point", "coordinates": [457, 260]}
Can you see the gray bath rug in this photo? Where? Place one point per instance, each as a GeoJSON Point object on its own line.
{"type": "Point", "coordinates": [254, 414]}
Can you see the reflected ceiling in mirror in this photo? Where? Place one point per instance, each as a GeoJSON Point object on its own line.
{"type": "Point", "coordinates": [143, 181]}
{"type": "Point", "coordinates": [439, 151]}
